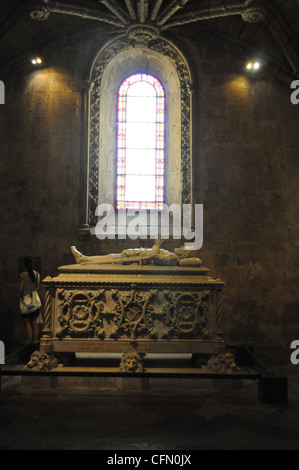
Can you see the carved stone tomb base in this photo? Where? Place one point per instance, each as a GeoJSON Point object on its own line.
{"type": "Point", "coordinates": [133, 310]}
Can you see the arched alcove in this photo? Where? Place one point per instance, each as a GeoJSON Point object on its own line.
{"type": "Point", "coordinates": [112, 64]}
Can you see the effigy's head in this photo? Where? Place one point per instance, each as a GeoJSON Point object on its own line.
{"type": "Point", "coordinates": [183, 252]}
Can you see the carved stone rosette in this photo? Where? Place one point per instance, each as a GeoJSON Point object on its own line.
{"type": "Point", "coordinates": [39, 11]}
{"type": "Point", "coordinates": [186, 314]}
{"type": "Point", "coordinates": [80, 313]}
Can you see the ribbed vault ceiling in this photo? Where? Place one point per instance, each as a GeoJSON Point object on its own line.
{"type": "Point", "coordinates": [269, 27]}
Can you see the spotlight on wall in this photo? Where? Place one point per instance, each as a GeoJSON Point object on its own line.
{"type": "Point", "coordinates": [36, 60]}
{"type": "Point", "coordinates": [36, 53]}
{"type": "Point", "coordinates": [253, 65]}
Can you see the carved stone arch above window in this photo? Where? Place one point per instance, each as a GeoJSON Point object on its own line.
{"type": "Point", "coordinates": [113, 63]}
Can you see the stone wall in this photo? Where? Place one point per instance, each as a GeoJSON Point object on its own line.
{"type": "Point", "coordinates": [245, 172]}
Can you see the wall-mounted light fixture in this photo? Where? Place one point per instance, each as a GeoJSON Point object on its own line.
{"type": "Point", "coordinates": [35, 53]}
{"type": "Point", "coordinates": [254, 65]}
{"type": "Point", "coordinates": [36, 60]}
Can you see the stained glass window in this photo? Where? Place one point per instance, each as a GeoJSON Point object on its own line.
{"type": "Point", "coordinates": [140, 143]}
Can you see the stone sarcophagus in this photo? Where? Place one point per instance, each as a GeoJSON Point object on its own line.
{"type": "Point", "coordinates": [142, 303]}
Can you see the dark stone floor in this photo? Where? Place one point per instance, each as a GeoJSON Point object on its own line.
{"type": "Point", "coordinates": [221, 418]}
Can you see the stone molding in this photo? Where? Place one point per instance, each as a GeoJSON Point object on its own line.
{"type": "Point", "coordinates": [112, 49]}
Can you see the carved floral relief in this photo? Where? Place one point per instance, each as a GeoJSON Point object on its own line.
{"type": "Point", "coordinates": [80, 313]}
{"type": "Point", "coordinates": [134, 314]}
{"type": "Point", "coordinates": [186, 314]}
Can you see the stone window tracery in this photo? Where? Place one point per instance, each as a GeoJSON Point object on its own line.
{"type": "Point", "coordinates": [112, 65]}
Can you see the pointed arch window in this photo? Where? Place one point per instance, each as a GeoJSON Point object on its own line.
{"type": "Point", "coordinates": [140, 143]}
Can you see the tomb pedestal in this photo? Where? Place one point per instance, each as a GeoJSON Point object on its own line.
{"type": "Point", "coordinates": [132, 308]}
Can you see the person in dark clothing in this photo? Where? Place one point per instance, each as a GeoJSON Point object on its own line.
{"type": "Point", "coordinates": [29, 282]}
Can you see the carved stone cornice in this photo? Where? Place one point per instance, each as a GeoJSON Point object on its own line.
{"type": "Point", "coordinates": [117, 280]}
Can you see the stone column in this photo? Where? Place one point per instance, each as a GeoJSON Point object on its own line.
{"type": "Point", "coordinates": [46, 339]}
